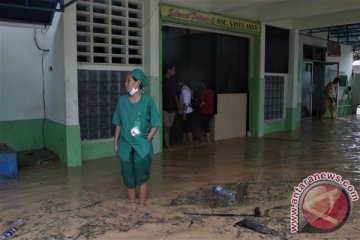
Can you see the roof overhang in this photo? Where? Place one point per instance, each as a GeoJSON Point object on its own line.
{"type": "Point", "coordinates": [345, 34]}
{"type": "Point", "coordinates": [30, 12]}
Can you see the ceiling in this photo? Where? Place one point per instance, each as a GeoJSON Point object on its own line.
{"type": "Point", "coordinates": [30, 12]}
{"type": "Point", "coordinates": [337, 20]}
{"type": "Point", "coordinates": [345, 34]}
{"type": "Point", "coordinates": [270, 10]}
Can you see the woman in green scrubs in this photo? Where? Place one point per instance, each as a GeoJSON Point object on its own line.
{"type": "Point", "coordinates": [137, 121]}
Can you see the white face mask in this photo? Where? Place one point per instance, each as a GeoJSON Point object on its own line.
{"type": "Point", "coordinates": [133, 91]}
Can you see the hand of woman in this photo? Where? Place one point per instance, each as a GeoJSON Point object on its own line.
{"type": "Point", "coordinates": [116, 148]}
{"type": "Point", "coordinates": [184, 116]}
{"type": "Point", "coordinates": [180, 108]}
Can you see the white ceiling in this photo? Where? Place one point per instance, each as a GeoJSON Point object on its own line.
{"type": "Point", "coordinates": [299, 14]}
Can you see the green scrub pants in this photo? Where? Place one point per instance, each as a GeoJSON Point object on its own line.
{"type": "Point", "coordinates": [136, 171]}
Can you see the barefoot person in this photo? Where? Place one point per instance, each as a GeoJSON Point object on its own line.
{"type": "Point", "coordinates": [137, 121]}
{"type": "Point", "coordinates": [170, 102]}
{"type": "Point", "coordinates": [329, 101]}
{"type": "Point", "coordinates": [207, 109]}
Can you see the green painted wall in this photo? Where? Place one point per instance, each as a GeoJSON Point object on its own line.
{"type": "Point", "coordinates": [22, 135]}
{"type": "Point", "coordinates": [227, 27]}
{"type": "Point", "coordinates": [63, 140]}
{"type": "Point", "coordinates": [257, 90]}
{"type": "Point", "coordinates": [274, 126]}
{"type": "Point", "coordinates": [290, 123]}
{"type": "Point", "coordinates": [344, 108]}
{"type": "Point", "coordinates": [73, 146]}
{"type": "Point", "coordinates": [90, 151]}
{"type": "Point", "coordinates": [293, 117]}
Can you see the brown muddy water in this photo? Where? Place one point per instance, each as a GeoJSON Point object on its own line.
{"type": "Point", "coordinates": [89, 202]}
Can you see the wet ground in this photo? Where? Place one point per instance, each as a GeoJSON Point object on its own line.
{"type": "Point", "coordinates": [90, 202]}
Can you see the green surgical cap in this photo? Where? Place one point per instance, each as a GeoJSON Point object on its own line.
{"type": "Point", "coordinates": [139, 75]}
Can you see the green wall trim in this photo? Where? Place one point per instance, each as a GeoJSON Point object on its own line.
{"type": "Point", "coordinates": [55, 138]}
{"type": "Point", "coordinates": [256, 94]}
{"type": "Point", "coordinates": [95, 150]}
{"type": "Point", "coordinates": [227, 27]}
{"type": "Point", "coordinates": [73, 146]}
{"type": "Point", "coordinates": [274, 126]}
{"type": "Point", "coordinates": [293, 117]}
{"type": "Point", "coordinates": [344, 108]}
{"type": "Point", "coordinates": [22, 135]}
{"type": "Point", "coordinates": [101, 149]}
{"type": "Point", "coordinates": [64, 141]}
{"type": "Point", "coordinates": [290, 123]}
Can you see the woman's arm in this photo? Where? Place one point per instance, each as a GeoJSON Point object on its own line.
{"type": "Point", "coordinates": [116, 138]}
{"type": "Point", "coordinates": [152, 133]}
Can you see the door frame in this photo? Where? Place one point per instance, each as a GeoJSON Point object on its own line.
{"type": "Point", "coordinates": [317, 92]}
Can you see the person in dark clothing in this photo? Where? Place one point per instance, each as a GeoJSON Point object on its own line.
{"type": "Point", "coordinates": [170, 102]}
{"type": "Point", "coordinates": [207, 103]}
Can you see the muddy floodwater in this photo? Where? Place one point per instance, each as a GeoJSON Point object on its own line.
{"type": "Point", "coordinates": [89, 202]}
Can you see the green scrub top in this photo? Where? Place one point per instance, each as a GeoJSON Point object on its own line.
{"type": "Point", "coordinates": [142, 114]}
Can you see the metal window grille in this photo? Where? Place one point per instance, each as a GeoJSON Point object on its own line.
{"type": "Point", "coordinates": [98, 93]}
{"type": "Point", "coordinates": [274, 97]}
{"type": "Point", "coordinates": [109, 32]}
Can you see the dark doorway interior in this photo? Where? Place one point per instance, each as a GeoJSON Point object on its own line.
{"type": "Point", "coordinates": [316, 76]}
{"type": "Point", "coordinates": [219, 60]}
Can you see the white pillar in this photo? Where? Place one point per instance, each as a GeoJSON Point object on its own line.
{"type": "Point", "coordinates": [153, 59]}
{"type": "Point", "coordinates": [70, 63]}
{"type": "Point", "coordinates": [293, 81]}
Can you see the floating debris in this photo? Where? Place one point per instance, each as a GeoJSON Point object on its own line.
{"type": "Point", "coordinates": [205, 196]}
{"type": "Point", "coordinates": [254, 226]}
{"type": "Point", "coordinates": [257, 213]}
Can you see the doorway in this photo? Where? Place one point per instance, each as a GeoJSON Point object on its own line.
{"type": "Point", "coordinates": [220, 60]}
{"type": "Point", "coordinates": [316, 75]}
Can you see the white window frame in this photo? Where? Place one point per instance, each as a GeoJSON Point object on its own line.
{"type": "Point", "coordinates": [284, 96]}
{"type": "Point", "coordinates": [89, 50]}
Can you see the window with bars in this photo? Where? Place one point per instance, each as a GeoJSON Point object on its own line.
{"type": "Point", "coordinates": [109, 31]}
{"type": "Point", "coordinates": [274, 97]}
{"type": "Point", "coordinates": [98, 93]}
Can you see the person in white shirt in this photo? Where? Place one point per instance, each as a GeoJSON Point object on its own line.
{"type": "Point", "coordinates": [187, 113]}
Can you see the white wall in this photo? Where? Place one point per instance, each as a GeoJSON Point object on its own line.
{"type": "Point", "coordinates": [70, 64]}
{"type": "Point", "coordinates": [230, 120]}
{"type": "Point", "coordinates": [153, 59]}
{"type": "Point", "coordinates": [345, 60]}
{"type": "Point", "coordinates": [54, 79]}
{"type": "Point", "coordinates": [292, 81]}
{"type": "Point", "coordinates": [21, 77]}
{"type": "Point", "coordinates": [20, 70]}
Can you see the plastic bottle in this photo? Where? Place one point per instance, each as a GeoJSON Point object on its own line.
{"type": "Point", "coordinates": [12, 229]}
{"type": "Point", "coordinates": [231, 195]}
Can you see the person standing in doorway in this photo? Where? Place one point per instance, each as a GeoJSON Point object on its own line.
{"type": "Point", "coordinates": [170, 102]}
{"type": "Point", "coordinates": [207, 108]}
{"type": "Point", "coordinates": [187, 113]}
{"type": "Point", "coordinates": [137, 121]}
{"type": "Point", "coordinates": [329, 101]}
